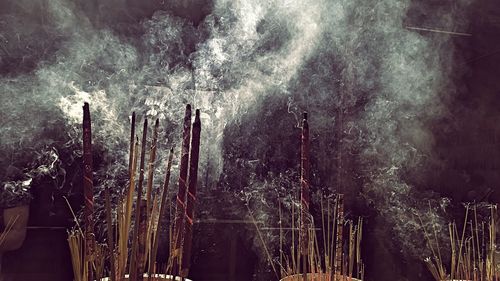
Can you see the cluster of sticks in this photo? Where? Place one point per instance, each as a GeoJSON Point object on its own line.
{"type": "Point", "coordinates": [472, 251]}
{"type": "Point", "coordinates": [136, 249]}
{"type": "Point", "coordinates": [338, 260]}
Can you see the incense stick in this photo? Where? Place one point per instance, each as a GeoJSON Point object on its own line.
{"type": "Point", "coordinates": [163, 207]}
{"type": "Point", "coordinates": [191, 194]}
{"type": "Point", "coordinates": [135, 237]}
{"type": "Point", "coordinates": [88, 187]}
{"type": "Point", "coordinates": [111, 243]}
{"type": "Point", "coordinates": [180, 209]}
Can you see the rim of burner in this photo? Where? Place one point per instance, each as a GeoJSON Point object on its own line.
{"type": "Point", "coordinates": [315, 276]}
{"type": "Point", "coordinates": [160, 276]}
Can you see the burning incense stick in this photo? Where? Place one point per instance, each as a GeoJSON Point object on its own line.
{"type": "Point", "coordinates": [181, 195]}
{"type": "Point", "coordinates": [191, 194]}
{"type": "Point", "coordinates": [88, 187]}
{"type": "Point", "coordinates": [151, 166]}
{"type": "Point", "coordinates": [132, 144]}
{"type": "Point", "coordinates": [304, 191]}
{"type": "Point", "coordinates": [134, 257]}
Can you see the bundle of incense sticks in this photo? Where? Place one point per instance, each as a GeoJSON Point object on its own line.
{"type": "Point", "coordinates": [308, 261]}
{"type": "Point", "coordinates": [323, 248]}
{"type": "Point", "coordinates": [179, 263]}
{"type": "Point", "coordinates": [135, 250]}
{"type": "Point", "coordinates": [472, 251]}
{"type": "Point", "coordinates": [180, 210]}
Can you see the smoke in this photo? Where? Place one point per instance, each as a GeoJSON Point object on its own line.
{"type": "Point", "coordinates": [251, 67]}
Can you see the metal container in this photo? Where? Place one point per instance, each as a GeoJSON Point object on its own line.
{"type": "Point", "coordinates": [154, 277]}
{"type": "Point", "coordinates": [318, 277]}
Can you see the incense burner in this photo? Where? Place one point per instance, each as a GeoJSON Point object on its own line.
{"type": "Point", "coordinates": [154, 277]}
{"type": "Point", "coordinates": [318, 277]}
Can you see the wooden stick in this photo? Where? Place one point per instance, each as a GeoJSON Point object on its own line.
{"type": "Point", "coordinates": [270, 259]}
{"type": "Point", "coordinates": [149, 184]}
{"type": "Point", "coordinates": [141, 241]}
{"type": "Point", "coordinates": [127, 215]}
{"type": "Point", "coordinates": [294, 263]}
{"type": "Point", "coordinates": [180, 210]}
{"type": "Point", "coordinates": [163, 207]}
{"type": "Point", "coordinates": [358, 246]}
{"type": "Point", "coordinates": [463, 234]}
{"type": "Point", "coordinates": [151, 167]}
{"type": "Point", "coordinates": [352, 233]}
{"type": "Point", "coordinates": [339, 240]}
{"type": "Point", "coordinates": [282, 271]}
{"type": "Point", "coordinates": [8, 228]}
{"type": "Point", "coordinates": [132, 144]}
{"type": "Point", "coordinates": [88, 187]}
{"type": "Point", "coordinates": [191, 193]}
{"type": "Point", "coordinates": [111, 243]}
{"type": "Point", "coordinates": [152, 231]}
{"type": "Point", "coordinates": [304, 194]}
{"type": "Point", "coordinates": [134, 258]}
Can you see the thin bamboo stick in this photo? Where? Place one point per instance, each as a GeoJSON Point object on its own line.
{"type": "Point", "coordinates": [339, 240]}
{"type": "Point", "coordinates": [151, 166]}
{"type": "Point", "coordinates": [282, 271]}
{"type": "Point", "coordinates": [270, 259]}
{"type": "Point", "coordinates": [163, 207]}
{"type": "Point", "coordinates": [126, 220]}
{"type": "Point", "coordinates": [109, 222]}
{"type": "Point", "coordinates": [191, 193]}
{"type": "Point", "coordinates": [141, 240]}
{"type": "Point", "coordinates": [304, 187]}
{"type": "Point", "coordinates": [149, 184]}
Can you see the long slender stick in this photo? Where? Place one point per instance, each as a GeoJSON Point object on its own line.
{"type": "Point", "coordinates": [132, 144]}
{"type": "Point", "coordinates": [134, 258]}
{"type": "Point", "coordinates": [304, 193]}
{"type": "Point", "coordinates": [333, 248]}
{"type": "Point", "coordinates": [463, 234]}
{"type": "Point", "coordinates": [180, 210]}
{"type": "Point", "coordinates": [282, 271]}
{"type": "Point", "coordinates": [88, 188]}
{"type": "Point", "coordinates": [109, 222]}
{"type": "Point", "coordinates": [127, 214]}
{"type": "Point", "coordinates": [294, 264]}
{"type": "Point", "coordinates": [163, 207]}
{"type": "Point", "coordinates": [141, 240]}
{"type": "Point", "coordinates": [339, 239]}
{"type": "Point", "coordinates": [149, 184]}
{"type": "Point", "coordinates": [191, 194]}
{"type": "Point", "coordinates": [151, 167]}
{"type": "Point", "coordinates": [270, 259]}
